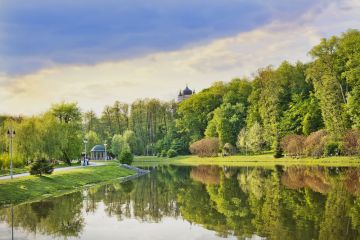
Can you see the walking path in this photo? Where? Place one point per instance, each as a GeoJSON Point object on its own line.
{"type": "Point", "coordinates": [92, 164]}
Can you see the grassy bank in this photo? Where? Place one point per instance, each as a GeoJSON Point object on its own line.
{"type": "Point", "coordinates": [33, 188]}
{"type": "Point", "coordinates": [254, 160]}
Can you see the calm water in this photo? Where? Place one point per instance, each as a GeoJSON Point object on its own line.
{"type": "Point", "coordinates": [201, 203]}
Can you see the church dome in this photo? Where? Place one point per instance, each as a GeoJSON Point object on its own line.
{"type": "Point", "coordinates": [187, 91]}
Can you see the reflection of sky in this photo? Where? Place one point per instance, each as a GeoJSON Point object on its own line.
{"type": "Point", "coordinates": [99, 226]}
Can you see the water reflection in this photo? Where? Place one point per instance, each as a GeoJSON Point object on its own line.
{"type": "Point", "coordinates": [275, 203]}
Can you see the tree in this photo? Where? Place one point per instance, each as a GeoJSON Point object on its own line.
{"type": "Point", "coordinates": [324, 72]}
{"type": "Point", "coordinates": [40, 167]}
{"type": "Point", "coordinates": [130, 138]}
{"type": "Point", "coordinates": [118, 144]}
{"type": "Point", "coordinates": [28, 139]}
{"type": "Point", "coordinates": [255, 140]}
{"type": "Point", "coordinates": [195, 113]}
{"type": "Point", "coordinates": [69, 122]}
{"type": "Point", "coordinates": [126, 157]}
{"type": "Point", "coordinates": [207, 147]}
{"type": "Point", "coordinates": [228, 120]}
{"type": "Point", "coordinates": [93, 140]}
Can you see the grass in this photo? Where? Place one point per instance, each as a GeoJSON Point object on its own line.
{"type": "Point", "coordinates": [34, 188]}
{"type": "Point", "coordinates": [253, 160]}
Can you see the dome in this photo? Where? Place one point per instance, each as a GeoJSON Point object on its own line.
{"type": "Point", "coordinates": [187, 91]}
{"type": "Point", "coordinates": [98, 148]}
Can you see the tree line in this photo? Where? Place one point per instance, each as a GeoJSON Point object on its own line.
{"type": "Point", "coordinates": [275, 110]}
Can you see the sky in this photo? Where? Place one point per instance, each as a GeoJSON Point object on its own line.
{"type": "Point", "coordinates": [95, 52]}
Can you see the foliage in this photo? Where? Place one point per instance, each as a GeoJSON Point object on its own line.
{"type": "Point", "coordinates": [278, 149]}
{"type": "Point", "coordinates": [314, 143]}
{"type": "Point", "coordinates": [171, 153]}
{"type": "Point", "coordinates": [93, 140]}
{"type": "Point", "coordinates": [40, 167]}
{"type": "Point", "coordinates": [252, 140]}
{"type": "Point", "coordinates": [332, 149]}
{"type": "Point", "coordinates": [118, 144]}
{"type": "Point", "coordinates": [351, 142]}
{"type": "Point", "coordinates": [207, 147]}
{"type": "Point", "coordinates": [293, 145]}
{"type": "Point", "coordinates": [228, 149]}
{"type": "Point", "coordinates": [126, 157]}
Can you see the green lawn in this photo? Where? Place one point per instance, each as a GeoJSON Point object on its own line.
{"type": "Point", "coordinates": [253, 160]}
{"type": "Point", "coordinates": [34, 188]}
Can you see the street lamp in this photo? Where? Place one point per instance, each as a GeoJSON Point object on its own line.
{"type": "Point", "coordinates": [11, 135]}
{"type": "Point", "coordinates": [105, 145]}
{"type": "Point", "coordinates": [85, 142]}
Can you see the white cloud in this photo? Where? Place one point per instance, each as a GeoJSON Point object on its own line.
{"type": "Point", "coordinates": [162, 74]}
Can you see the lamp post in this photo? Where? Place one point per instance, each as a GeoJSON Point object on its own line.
{"type": "Point", "coordinates": [105, 145]}
{"type": "Point", "coordinates": [85, 142]}
{"type": "Point", "coordinates": [11, 135]}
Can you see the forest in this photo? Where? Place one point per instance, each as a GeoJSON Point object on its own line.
{"type": "Point", "coordinates": [295, 109]}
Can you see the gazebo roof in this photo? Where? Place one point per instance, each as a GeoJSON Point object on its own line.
{"type": "Point", "coordinates": [98, 148]}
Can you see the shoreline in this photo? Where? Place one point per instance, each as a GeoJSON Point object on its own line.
{"type": "Point", "coordinates": [32, 188]}
{"type": "Point", "coordinates": [251, 161]}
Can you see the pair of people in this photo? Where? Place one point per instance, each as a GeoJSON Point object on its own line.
{"type": "Point", "coordinates": [85, 162]}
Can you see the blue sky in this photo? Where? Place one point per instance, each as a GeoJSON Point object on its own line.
{"type": "Point", "coordinates": [38, 33]}
{"type": "Point", "coordinates": [54, 50]}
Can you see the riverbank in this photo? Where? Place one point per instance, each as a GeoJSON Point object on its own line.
{"type": "Point", "coordinates": [34, 188]}
{"type": "Point", "coordinates": [252, 160]}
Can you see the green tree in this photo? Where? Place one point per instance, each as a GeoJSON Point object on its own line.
{"type": "Point", "coordinates": [118, 144]}
{"type": "Point", "coordinates": [69, 121]}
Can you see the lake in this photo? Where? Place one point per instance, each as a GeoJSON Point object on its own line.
{"type": "Point", "coordinates": [203, 202]}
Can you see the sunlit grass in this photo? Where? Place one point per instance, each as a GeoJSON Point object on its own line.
{"type": "Point", "coordinates": [33, 187]}
{"type": "Point", "coordinates": [251, 160]}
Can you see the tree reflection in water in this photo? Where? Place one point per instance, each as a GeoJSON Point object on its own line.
{"type": "Point", "coordinates": [276, 203]}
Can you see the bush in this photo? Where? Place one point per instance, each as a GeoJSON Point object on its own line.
{"type": "Point", "coordinates": [293, 145]}
{"type": "Point", "coordinates": [351, 142]}
{"type": "Point", "coordinates": [40, 167]}
{"type": "Point", "coordinates": [207, 147]}
{"type": "Point", "coordinates": [163, 153]}
{"type": "Point", "coordinates": [228, 149]}
{"type": "Point", "coordinates": [126, 157]}
{"type": "Point", "coordinates": [171, 153]}
{"type": "Point", "coordinates": [278, 149]}
{"type": "Point", "coordinates": [5, 161]}
{"type": "Point", "coordinates": [315, 143]}
{"type": "Point", "coordinates": [332, 149]}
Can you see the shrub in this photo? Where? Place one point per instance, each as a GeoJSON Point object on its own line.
{"type": "Point", "coordinates": [5, 161]}
{"type": "Point", "coordinates": [207, 147]}
{"type": "Point", "coordinates": [315, 143]}
{"type": "Point", "coordinates": [293, 145]}
{"type": "Point", "coordinates": [126, 157]}
{"type": "Point", "coordinates": [332, 149]}
{"type": "Point", "coordinates": [171, 153]}
{"type": "Point", "coordinates": [278, 149]}
{"type": "Point", "coordinates": [351, 142]}
{"type": "Point", "coordinates": [228, 149]}
{"type": "Point", "coordinates": [163, 153]}
{"type": "Point", "coordinates": [40, 167]}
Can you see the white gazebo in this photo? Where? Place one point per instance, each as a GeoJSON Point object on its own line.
{"type": "Point", "coordinates": [98, 152]}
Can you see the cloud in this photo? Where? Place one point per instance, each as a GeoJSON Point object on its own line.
{"type": "Point", "coordinates": [162, 74]}
{"type": "Point", "coordinates": [35, 34]}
